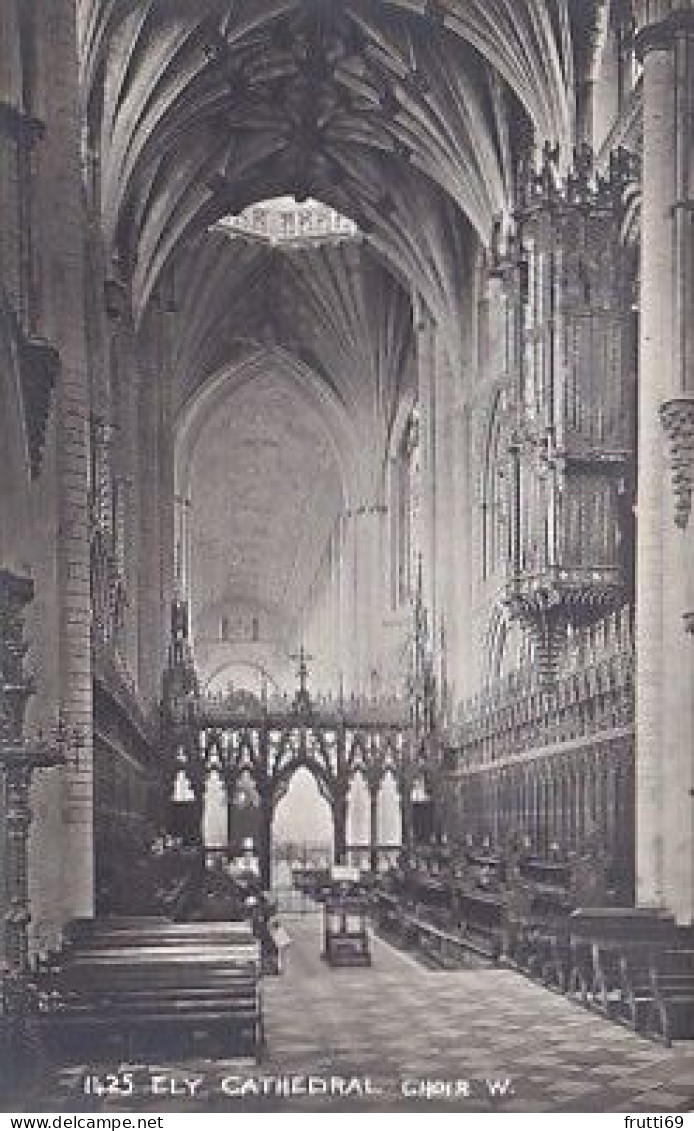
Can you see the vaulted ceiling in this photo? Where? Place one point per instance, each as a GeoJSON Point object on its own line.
{"type": "Point", "coordinates": [404, 115]}
{"type": "Point", "coordinates": [391, 110]}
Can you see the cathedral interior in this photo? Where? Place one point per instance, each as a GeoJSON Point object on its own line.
{"type": "Point", "coordinates": [347, 435]}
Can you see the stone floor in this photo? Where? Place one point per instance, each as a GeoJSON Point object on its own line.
{"type": "Point", "coordinates": [384, 1037]}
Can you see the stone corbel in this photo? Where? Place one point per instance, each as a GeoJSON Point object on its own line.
{"type": "Point", "coordinates": [677, 418]}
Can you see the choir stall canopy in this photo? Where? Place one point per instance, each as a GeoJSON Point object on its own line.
{"type": "Point", "coordinates": [345, 920]}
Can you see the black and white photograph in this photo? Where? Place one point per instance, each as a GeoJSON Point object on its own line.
{"type": "Point", "coordinates": [346, 559]}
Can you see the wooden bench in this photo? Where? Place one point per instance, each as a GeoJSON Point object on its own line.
{"type": "Point", "coordinates": [433, 949]}
{"type": "Point", "coordinates": [435, 935]}
{"type": "Point", "coordinates": [658, 991]}
{"type": "Point", "coordinates": [479, 916]}
{"type": "Point", "coordinates": [637, 988]}
{"type": "Point", "coordinates": [672, 983]}
{"type": "Point", "coordinates": [116, 942]}
{"type": "Point", "coordinates": [598, 937]}
{"type": "Point", "coordinates": [447, 949]}
{"type": "Point", "coordinates": [89, 931]}
{"type": "Point", "coordinates": [153, 984]}
{"type": "Point", "coordinates": [617, 979]}
{"type": "Point", "coordinates": [159, 1013]}
{"type": "Point", "coordinates": [177, 934]}
{"type": "Point", "coordinates": [97, 935]}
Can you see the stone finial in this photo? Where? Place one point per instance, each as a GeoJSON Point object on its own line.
{"type": "Point", "coordinates": [677, 418]}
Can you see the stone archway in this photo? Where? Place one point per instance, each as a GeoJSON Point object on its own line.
{"type": "Point", "coordinates": [303, 824]}
{"type": "Point", "coordinates": [270, 740]}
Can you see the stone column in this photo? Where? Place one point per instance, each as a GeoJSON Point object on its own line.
{"type": "Point", "coordinates": [149, 576]}
{"type": "Point", "coordinates": [426, 381]}
{"type": "Point", "coordinates": [265, 837]}
{"type": "Point", "coordinates": [62, 240]}
{"type": "Point", "coordinates": [444, 488]}
{"type": "Point", "coordinates": [665, 558]}
{"type": "Point", "coordinates": [340, 825]}
{"type": "Point", "coordinates": [347, 603]}
{"type": "Point", "coordinates": [127, 443]}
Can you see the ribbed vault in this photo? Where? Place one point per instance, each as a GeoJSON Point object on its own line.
{"type": "Point", "coordinates": [408, 117]}
{"type": "Point", "coordinates": [201, 109]}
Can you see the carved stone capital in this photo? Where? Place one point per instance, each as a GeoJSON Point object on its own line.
{"type": "Point", "coordinates": [677, 417]}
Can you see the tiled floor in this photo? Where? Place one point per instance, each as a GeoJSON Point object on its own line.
{"type": "Point", "coordinates": [393, 1028]}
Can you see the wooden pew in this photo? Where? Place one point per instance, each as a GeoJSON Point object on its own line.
{"type": "Point", "coordinates": [672, 983]}
{"type": "Point", "coordinates": [77, 930]}
{"type": "Point", "coordinates": [84, 929]}
{"type": "Point", "coordinates": [152, 984]}
{"type": "Point", "coordinates": [637, 988]}
{"type": "Point", "coordinates": [435, 946]}
{"type": "Point", "coordinates": [444, 946]}
{"type": "Point", "coordinates": [479, 916]}
{"type": "Point", "coordinates": [159, 1011]}
{"type": "Point", "coordinates": [598, 938]}
{"type": "Point", "coordinates": [447, 949]}
{"type": "Point", "coordinates": [235, 940]}
{"type": "Point", "coordinates": [163, 933]}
